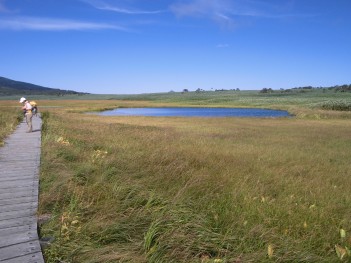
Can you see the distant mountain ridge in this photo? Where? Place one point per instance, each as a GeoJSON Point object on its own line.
{"type": "Point", "coordinates": [13, 87]}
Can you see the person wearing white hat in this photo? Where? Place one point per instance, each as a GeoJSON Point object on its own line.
{"type": "Point", "coordinates": [27, 108]}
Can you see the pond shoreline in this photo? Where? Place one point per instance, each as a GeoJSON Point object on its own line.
{"type": "Point", "coordinates": [197, 112]}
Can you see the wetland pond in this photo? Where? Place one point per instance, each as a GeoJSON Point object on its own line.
{"type": "Point", "coordinates": [197, 112]}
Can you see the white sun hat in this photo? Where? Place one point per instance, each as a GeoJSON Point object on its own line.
{"type": "Point", "coordinates": [22, 100]}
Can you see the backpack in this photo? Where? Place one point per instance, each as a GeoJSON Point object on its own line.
{"type": "Point", "coordinates": [34, 107]}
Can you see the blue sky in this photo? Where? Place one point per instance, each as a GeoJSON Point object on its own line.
{"type": "Point", "coordinates": [146, 46]}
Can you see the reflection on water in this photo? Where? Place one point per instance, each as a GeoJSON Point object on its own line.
{"type": "Point", "coordinates": [197, 112]}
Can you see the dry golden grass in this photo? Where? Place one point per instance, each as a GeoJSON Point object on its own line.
{"type": "Point", "coordinates": [10, 116]}
{"type": "Point", "coordinates": [144, 189]}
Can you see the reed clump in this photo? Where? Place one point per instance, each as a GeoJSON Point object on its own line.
{"type": "Point", "coordinates": [143, 189]}
{"type": "Point", "coordinates": [336, 105]}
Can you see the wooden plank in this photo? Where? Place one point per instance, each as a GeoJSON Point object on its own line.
{"type": "Point", "coordinates": [26, 212]}
{"type": "Point", "coordinates": [14, 187]}
{"type": "Point", "coordinates": [17, 200]}
{"type": "Point", "coordinates": [17, 207]}
{"type": "Point", "coordinates": [15, 222]}
{"type": "Point", "coordinates": [30, 258]}
{"type": "Point", "coordinates": [14, 176]}
{"type": "Point", "coordinates": [24, 192]}
{"type": "Point", "coordinates": [19, 250]}
{"type": "Point", "coordinates": [19, 186]}
{"type": "Point", "coordinates": [17, 229]}
{"type": "Point", "coordinates": [17, 238]}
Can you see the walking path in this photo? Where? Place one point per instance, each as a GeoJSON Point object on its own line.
{"type": "Point", "coordinates": [19, 186]}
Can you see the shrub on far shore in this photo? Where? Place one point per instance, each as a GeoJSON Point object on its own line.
{"type": "Point", "coordinates": [338, 105]}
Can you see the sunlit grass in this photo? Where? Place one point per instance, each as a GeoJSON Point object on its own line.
{"type": "Point", "coordinates": [143, 189]}
{"type": "Point", "coordinates": [10, 116]}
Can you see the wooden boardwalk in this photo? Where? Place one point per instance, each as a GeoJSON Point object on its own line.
{"type": "Point", "coordinates": [19, 186]}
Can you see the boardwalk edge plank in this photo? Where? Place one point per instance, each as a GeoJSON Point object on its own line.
{"type": "Point", "coordinates": [19, 190]}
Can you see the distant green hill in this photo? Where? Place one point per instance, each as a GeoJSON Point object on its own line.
{"type": "Point", "coordinates": [10, 87]}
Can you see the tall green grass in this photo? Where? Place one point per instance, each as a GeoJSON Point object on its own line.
{"type": "Point", "coordinates": [139, 189]}
{"type": "Point", "coordinates": [337, 105]}
{"type": "Point", "coordinates": [216, 98]}
{"type": "Point", "coordinates": [143, 189]}
{"type": "Point", "coordinates": [10, 116]}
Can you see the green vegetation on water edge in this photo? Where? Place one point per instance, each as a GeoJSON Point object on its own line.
{"type": "Point", "coordinates": [145, 189]}
{"type": "Point", "coordinates": [325, 99]}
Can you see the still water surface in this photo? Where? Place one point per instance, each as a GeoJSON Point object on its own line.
{"type": "Point", "coordinates": [197, 112]}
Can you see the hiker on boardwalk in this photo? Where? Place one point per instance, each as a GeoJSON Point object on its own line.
{"type": "Point", "coordinates": [27, 108]}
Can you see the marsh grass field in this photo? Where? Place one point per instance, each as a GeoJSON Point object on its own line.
{"type": "Point", "coordinates": [170, 189]}
{"type": "Point", "coordinates": [9, 119]}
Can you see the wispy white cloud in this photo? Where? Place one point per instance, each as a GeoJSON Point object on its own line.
{"type": "Point", "coordinates": [102, 5]}
{"type": "Point", "coordinates": [217, 10]}
{"type": "Point", "coordinates": [228, 12]}
{"type": "Point", "coordinates": [129, 11]}
{"type": "Point", "coordinates": [222, 46]}
{"type": "Point", "coordinates": [198, 7]}
{"type": "Point", "coordinates": [48, 24]}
